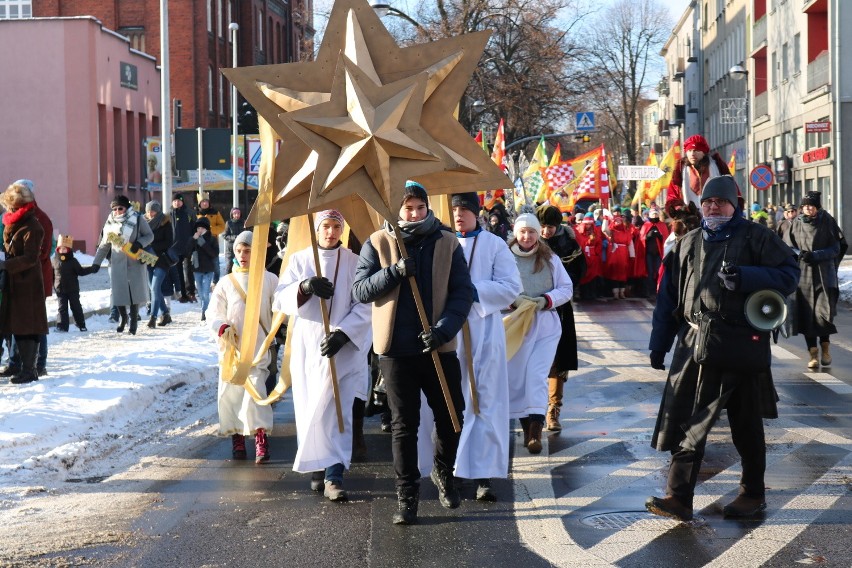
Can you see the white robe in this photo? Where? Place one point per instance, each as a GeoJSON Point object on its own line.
{"type": "Point", "coordinates": [484, 444]}
{"type": "Point", "coordinates": [238, 412]}
{"type": "Point", "coordinates": [529, 368]}
{"type": "Point", "coordinates": [320, 443]}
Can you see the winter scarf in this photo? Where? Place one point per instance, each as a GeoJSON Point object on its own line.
{"type": "Point", "coordinates": [12, 217]}
{"type": "Point", "coordinates": [414, 230]}
{"type": "Point", "coordinates": [123, 225]}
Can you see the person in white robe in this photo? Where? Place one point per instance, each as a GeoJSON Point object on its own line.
{"type": "Point", "coordinates": [239, 414]}
{"type": "Point", "coordinates": [546, 286]}
{"type": "Point", "coordinates": [483, 452]}
{"type": "Point", "coordinates": [322, 449]}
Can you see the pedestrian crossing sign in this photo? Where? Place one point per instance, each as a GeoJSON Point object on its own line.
{"type": "Point", "coordinates": [585, 121]}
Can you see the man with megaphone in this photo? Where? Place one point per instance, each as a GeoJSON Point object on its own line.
{"type": "Point", "coordinates": [719, 361]}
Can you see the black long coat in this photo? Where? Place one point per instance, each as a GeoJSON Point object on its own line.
{"type": "Point", "coordinates": [574, 261]}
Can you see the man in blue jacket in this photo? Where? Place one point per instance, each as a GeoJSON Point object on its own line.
{"type": "Point", "coordinates": [437, 264]}
{"type": "Point", "coordinates": [709, 275]}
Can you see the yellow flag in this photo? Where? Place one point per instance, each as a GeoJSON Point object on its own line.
{"type": "Point", "coordinates": [645, 186]}
{"type": "Point", "coordinates": [668, 165]}
{"type": "Point", "coordinates": [557, 156]}
{"type": "Point", "coordinates": [732, 164]}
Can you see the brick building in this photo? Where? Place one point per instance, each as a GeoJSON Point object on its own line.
{"type": "Point", "coordinates": [271, 31]}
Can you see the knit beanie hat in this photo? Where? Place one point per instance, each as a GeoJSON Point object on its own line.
{"type": "Point", "coordinates": [327, 214]}
{"type": "Point", "coordinates": [722, 187]}
{"type": "Point", "coordinates": [469, 201]}
{"type": "Point", "coordinates": [120, 201]}
{"type": "Point", "coordinates": [549, 215]}
{"type": "Point", "coordinates": [243, 238]}
{"type": "Point", "coordinates": [28, 183]}
{"type": "Point", "coordinates": [527, 220]}
{"type": "Point", "coordinates": [415, 190]}
{"type": "Point", "coordinates": [153, 206]}
{"type": "Point", "coordinates": [813, 198]}
{"type": "Point", "coordinates": [697, 142]}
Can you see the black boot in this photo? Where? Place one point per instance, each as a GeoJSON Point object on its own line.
{"type": "Point", "coordinates": [448, 495]}
{"type": "Point", "coordinates": [152, 322]}
{"type": "Point", "coordinates": [408, 499]}
{"type": "Point", "coordinates": [28, 351]}
{"type": "Point", "coordinates": [134, 318]}
{"type": "Point", "coordinates": [122, 313]}
{"type": "Point", "coordinates": [165, 319]}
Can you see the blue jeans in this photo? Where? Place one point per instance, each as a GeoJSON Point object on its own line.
{"type": "Point", "coordinates": [202, 287]}
{"type": "Point", "coordinates": [158, 303]}
{"type": "Point", "coordinates": [334, 473]}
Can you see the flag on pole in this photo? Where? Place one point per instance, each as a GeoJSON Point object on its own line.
{"type": "Point", "coordinates": [499, 151]}
{"type": "Point", "coordinates": [557, 155]}
{"type": "Point", "coordinates": [480, 139]}
{"type": "Point", "coordinates": [732, 164]}
{"type": "Point", "coordinates": [668, 164]}
{"type": "Point", "coordinates": [645, 185]}
{"type": "Point", "coordinates": [556, 175]}
{"type": "Point", "coordinates": [533, 177]}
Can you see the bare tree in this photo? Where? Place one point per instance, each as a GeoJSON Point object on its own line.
{"type": "Point", "coordinates": [624, 42]}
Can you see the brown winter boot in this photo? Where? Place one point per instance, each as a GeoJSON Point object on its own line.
{"type": "Point", "coordinates": [525, 426]}
{"type": "Point", "coordinates": [814, 362]}
{"type": "Point", "coordinates": [555, 386]}
{"type": "Point", "coordinates": [534, 445]}
{"type": "Point", "coordinates": [825, 360]}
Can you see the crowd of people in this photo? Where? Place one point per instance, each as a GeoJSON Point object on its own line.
{"type": "Point", "coordinates": [462, 328]}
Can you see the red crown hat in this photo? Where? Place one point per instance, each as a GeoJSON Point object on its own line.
{"type": "Point", "coordinates": [697, 142]}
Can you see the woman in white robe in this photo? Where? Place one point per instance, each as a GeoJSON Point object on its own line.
{"type": "Point", "coordinates": [239, 414]}
{"type": "Point", "coordinates": [547, 285]}
{"type": "Point", "coordinates": [483, 451]}
{"type": "Point", "coordinates": [322, 449]}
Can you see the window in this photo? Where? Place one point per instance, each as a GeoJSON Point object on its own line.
{"type": "Point", "coordinates": [797, 54]}
{"type": "Point", "coordinates": [774, 70]}
{"type": "Point", "coordinates": [219, 18]}
{"type": "Point", "coordinates": [210, 16]}
{"type": "Point", "coordinates": [789, 143]}
{"type": "Point", "coordinates": [799, 135]}
{"type": "Point", "coordinates": [221, 95]}
{"type": "Point", "coordinates": [230, 16]}
{"type": "Point", "coordinates": [260, 30]}
{"type": "Point", "coordinates": [210, 89]}
{"type": "Point", "coordinates": [767, 149]}
{"type": "Point", "coordinates": [785, 62]}
{"type": "Point", "coordinates": [758, 147]}
{"type": "Point", "coordinates": [776, 147]}
{"type": "Point", "coordinates": [16, 9]}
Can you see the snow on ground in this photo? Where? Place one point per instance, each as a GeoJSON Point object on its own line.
{"type": "Point", "coordinates": [107, 396]}
{"type": "Point", "coordinates": [112, 399]}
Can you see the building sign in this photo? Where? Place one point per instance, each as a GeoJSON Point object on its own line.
{"type": "Point", "coordinates": [129, 76]}
{"type": "Point", "coordinates": [816, 155]}
{"type": "Point", "coordinates": [822, 126]}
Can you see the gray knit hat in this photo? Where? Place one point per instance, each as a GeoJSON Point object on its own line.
{"type": "Point", "coordinates": [721, 187]}
{"type": "Point", "coordinates": [243, 238]}
{"type": "Point", "coordinates": [154, 206]}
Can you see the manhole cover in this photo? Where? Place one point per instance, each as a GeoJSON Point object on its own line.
{"type": "Point", "coordinates": [631, 520]}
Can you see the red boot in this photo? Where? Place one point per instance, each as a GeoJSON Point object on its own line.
{"type": "Point", "coordinates": [238, 446]}
{"type": "Point", "coordinates": [261, 446]}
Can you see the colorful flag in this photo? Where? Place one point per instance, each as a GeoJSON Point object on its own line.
{"type": "Point", "coordinates": [533, 177]}
{"type": "Point", "coordinates": [732, 164]}
{"type": "Point", "coordinates": [645, 185]}
{"type": "Point", "coordinates": [480, 139]}
{"type": "Point", "coordinates": [499, 151]}
{"type": "Point", "coordinates": [557, 155]}
{"type": "Point", "coordinates": [668, 165]}
{"type": "Point", "coordinates": [518, 194]}
{"type": "Point", "coordinates": [555, 177]}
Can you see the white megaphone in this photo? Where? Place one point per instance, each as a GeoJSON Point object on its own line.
{"type": "Point", "coordinates": [765, 310]}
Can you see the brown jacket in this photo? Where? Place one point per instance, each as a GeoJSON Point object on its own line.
{"type": "Point", "coordinates": [23, 311]}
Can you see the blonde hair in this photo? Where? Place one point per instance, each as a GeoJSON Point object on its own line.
{"type": "Point", "coordinates": [542, 253]}
{"type": "Point", "coordinates": [17, 195]}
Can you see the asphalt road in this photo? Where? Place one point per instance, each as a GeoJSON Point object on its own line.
{"type": "Point", "coordinates": [580, 503]}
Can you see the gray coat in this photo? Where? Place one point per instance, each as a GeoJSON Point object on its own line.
{"type": "Point", "coordinates": [128, 277]}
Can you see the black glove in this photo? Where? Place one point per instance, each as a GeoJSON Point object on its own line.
{"type": "Point", "coordinates": [806, 256]}
{"type": "Point", "coordinates": [134, 248]}
{"type": "Point", "coordinates": [405, 267]}
{"type": "Point", "coordinates": [321, 287]}
{"type": "Point", "coordinates": [430, 340]}
{"type": "Point", "coordinates": [332, 343]}
{"type": "Point", "coordinates": [94, 268]}
{"type": "Point", "coordinates": [657, 359]}
{"type": "Point", "coordinates": [729, 277]}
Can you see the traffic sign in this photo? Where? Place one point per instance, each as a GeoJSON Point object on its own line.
{"type": "Point", "coordinates": [639, 172]}
{"type": "Point", "coordinates": [761, 177]}
{"type": "Point", "coordinates": [585, 121]}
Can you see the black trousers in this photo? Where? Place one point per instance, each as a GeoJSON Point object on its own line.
{"type": "Point", "coordinates": [748, 437]}
{"type": "Point", "coordinates": [76, 310]}
{"type": "Point", "coordinates": [405, 378]}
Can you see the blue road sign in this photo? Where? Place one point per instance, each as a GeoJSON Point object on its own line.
{"type": "Point", "coordinates": [761, 177]}
{"type": "Point", "coordinates": [585, 121]}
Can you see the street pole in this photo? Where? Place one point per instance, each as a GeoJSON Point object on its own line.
{"type": "Point", "coordinates": [200, 163]}
{"type": "Point", "coordinates": [235, 202]}
{"type": "Point", "coordinates": [165, 104]}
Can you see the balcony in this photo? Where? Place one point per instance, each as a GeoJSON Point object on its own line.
{"type": "Point", "coordinates": [761, 105]}
{"type": "Point", "coordinates": [819, 71]}
{"type": "Point", "coordinates": [758, 34]}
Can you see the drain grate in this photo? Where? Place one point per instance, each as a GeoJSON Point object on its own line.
{"type": "Point", "coordinates": [629, 520]}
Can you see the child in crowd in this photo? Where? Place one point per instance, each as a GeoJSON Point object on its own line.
{"type": "Point", "coordinates": [66, 271]}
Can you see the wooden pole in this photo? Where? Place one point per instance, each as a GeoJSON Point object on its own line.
{"type": "Point", "coordinates": [468, 352]}
{"type": "Point", "coordinates": [326, 325]}
{"type": "Point", "coordinates": [424, 321]}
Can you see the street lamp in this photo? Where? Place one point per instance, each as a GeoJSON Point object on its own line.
{"type": "Point", "coordinates": [739, 73]}
{"type": "Point", "coordinates": [383, 9]}
{"type": "Point", "coordinates": [235, 201]}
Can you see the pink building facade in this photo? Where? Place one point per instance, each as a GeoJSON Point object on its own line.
{"type": "Point", "coordinates": [77, 103]}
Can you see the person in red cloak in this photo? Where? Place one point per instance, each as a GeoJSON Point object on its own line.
{"type": "Point", "coordinates": [619, 257]}
{"type": "Point", "coordinates": [590, 239]}
{"type": "Point", "coordinates": [692, 172]}
{"type": "Point", "coordinates": [654, 234]}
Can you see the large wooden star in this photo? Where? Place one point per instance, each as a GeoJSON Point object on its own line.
{"type": "Point", "coordinates": [356, 31]}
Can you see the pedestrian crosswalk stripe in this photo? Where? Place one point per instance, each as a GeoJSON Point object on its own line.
{"type": "Point", "coordinates": [830, 382]}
